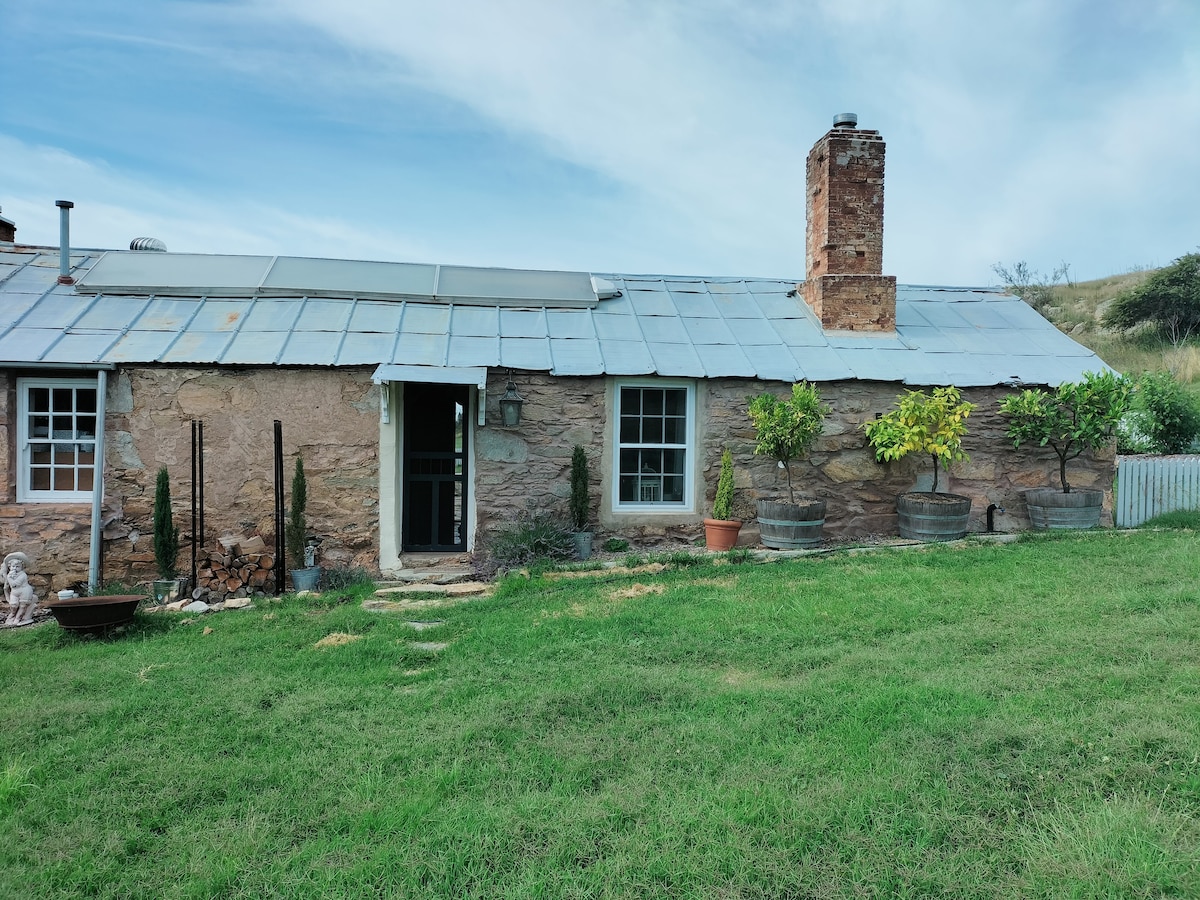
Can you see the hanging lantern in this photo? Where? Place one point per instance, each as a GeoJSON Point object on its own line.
{"type": "Point", "coordinates": [510, 405]}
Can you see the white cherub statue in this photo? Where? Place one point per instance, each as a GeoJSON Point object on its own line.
{"type": "Point", "coordinates": [18, 592]}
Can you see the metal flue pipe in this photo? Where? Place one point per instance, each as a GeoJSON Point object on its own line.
{"type": "Point", "coordinates": [64, 241]}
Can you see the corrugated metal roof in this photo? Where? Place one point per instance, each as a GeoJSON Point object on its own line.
{"type": "Point", "coordinates": [339, 312]}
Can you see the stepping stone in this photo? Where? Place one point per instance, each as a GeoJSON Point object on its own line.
{"type": "Point", "coordinates": [423, 626]}
{"type": "Point", "coordinates": [430, 646]}
{"type": "Point", "coordinates": [459, 589]}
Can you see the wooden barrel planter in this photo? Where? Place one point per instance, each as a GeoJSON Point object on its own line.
{"type": "Point", "coordinates": [790, 526]}
{"type": "Point", "coordinates": [926, 516]}
{"type": "Point", "coordinates": [1051, 508]}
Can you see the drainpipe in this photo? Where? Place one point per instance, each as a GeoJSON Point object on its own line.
{"type": "Point", "coordinates": [64, 241]}
{"type": "Point", "coordinates": [97, 481]}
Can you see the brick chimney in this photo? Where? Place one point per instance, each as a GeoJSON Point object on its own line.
{"type": "Point", "coordinates": [844, 282]}
{"type": "Point", "coordinates": [8, 230]}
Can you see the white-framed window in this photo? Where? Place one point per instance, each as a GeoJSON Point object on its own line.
{"type": "Point", "coordinates": [56, 439]}
{"type": "Point", "coordinates": [654, 446]}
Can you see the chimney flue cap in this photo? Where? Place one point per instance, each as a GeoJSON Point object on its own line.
{"type": "Point", "coordinates": [64, 204]}
{"type": "Point", "coordinates": [845, 120]}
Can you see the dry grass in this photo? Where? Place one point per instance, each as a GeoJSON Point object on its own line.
{"type": "Point", "coordinates": [1077, 310]}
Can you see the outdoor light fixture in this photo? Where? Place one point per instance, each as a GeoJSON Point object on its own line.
{"type": "Point", "coordinates": [510, 405]}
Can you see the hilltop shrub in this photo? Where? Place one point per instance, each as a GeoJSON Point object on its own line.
{"type": "Point", "coordinates": [1168, 302]}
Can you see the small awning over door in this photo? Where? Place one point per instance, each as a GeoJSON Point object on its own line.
{"type": "Point", "coordinates": [476, 375]}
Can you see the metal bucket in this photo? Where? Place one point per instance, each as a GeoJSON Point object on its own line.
{"type": "Point", "coordinates": [1051, 508]}
{"type": "Point", "coordinates": [306, 579]}
{"type": "Point", "coordinates": [926, 516]}
{"type": "Point", "coordinates": [790, 526]}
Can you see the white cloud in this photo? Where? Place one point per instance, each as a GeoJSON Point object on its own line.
{"type": "Point", "coordinates": [113, 207]}
{"type": "Point", "coordinates": [668, 136]}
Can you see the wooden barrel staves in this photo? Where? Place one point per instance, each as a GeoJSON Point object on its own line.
{"type": "Point", "coordinates": [926, 516]}
{"type": "Point", "coordinates": [790, 526]}
{"type": "Point", "coordinates": [1051, 508]}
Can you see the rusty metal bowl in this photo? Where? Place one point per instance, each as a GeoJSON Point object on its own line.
{"type": "Point", "coordinates": [94, 613]}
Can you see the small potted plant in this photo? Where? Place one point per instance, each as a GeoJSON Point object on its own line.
{"type": "Point", "coordinates": [580, 503]}
{"type": "Point", "coordinates": [167, 586]}
{"type": "Point", "coordinates": [787, 430]}
{"type": "Point", "coordinates": [305, 574]}
{"type": "Point", "coordinates": [932, 424]}
{"type": "Point", "coordinates": [721, 531]}
{"type": "Point", "coordinates": [1077, 417]}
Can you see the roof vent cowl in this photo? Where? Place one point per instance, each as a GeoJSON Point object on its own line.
{"type": "Point", "coordinates": [148, 243]}
{"type": "Point", "coordinates": [845, 120]}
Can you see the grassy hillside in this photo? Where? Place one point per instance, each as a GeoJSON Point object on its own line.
{"type": "Point", "coordinates": [1077, 308]}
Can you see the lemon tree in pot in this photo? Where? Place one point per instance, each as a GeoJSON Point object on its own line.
{"type": "Point", "coordinates": [167, 586]}
{"type": "Point", "coordinates": [786, 430]}
{"type": "Point", "coordinates": [721, 531]}
{"type": "Point", "coordinates": [1078, 417]}
{"type": "Point", "coordinates": [932, 424]}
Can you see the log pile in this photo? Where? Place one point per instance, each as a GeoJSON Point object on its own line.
{"type": "Point", "coordinates": [239, 566]}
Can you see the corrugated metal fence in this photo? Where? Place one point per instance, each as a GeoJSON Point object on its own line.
{"type": "Point", "coordinates": [1148, 486]}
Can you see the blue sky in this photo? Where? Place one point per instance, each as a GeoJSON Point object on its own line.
{"type": "Point", "coordinates": [649, 136]}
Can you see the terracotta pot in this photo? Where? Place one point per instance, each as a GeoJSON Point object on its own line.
{"type": "Point", "coordinates": [721, 534]}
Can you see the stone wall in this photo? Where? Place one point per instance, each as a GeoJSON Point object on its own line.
{"type": "Point", "coordinates": [331, 417]}
{"type": "Point", "coordinates": [528, 468]}
{"type": "Point", "coordinates": [861, 492]}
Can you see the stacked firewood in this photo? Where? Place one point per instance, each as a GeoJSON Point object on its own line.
{"type": "Point", "coordinates": [239, 566]}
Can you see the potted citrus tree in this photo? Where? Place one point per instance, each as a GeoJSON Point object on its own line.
{"type": "Point", "coordinates": [786, 430]}
{"type": "Point", "coordinates": [580, 503]}
{"type": "Point", "coordinates": [933, 425]}
{"type": "Point", "coordinates": [305, 573]}
{"type": "Point", "coordinates": [1077, 417]}
{"type": "Point", "coordinates": [167, 586]}
{"type": "Point", "coordinates": [721, 531]}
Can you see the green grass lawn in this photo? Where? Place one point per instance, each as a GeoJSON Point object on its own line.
{"type": "Point", "coordinates": [998, 721]}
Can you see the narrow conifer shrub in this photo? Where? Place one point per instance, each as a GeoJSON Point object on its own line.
{"type": "Point", "coordinates": [580, 511]}
{"type": "Point", "coordinates": [166, 535]}
{"type": "Point", "coordinates": [297, 525]}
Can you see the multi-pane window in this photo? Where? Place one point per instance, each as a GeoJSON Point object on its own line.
{"type": "Point", "coordinates": [653, 445]}
{"type": "Point", "coordinates": [56, 434]}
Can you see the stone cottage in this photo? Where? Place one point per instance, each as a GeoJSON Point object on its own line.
{"type": "Point", "coordinates": [387, 380]}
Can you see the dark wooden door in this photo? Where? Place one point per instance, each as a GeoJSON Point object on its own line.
{"type": "Point", "coordinates": [435, 467]}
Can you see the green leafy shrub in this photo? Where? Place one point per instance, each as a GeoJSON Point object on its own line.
{"type": "Point", "coordinates": [723, 502]}
{"type": "Point", "coordinates": [1078, 416]}
{"type": "Point", "coordinates": [787, 429]}
{"type": "Point", "coordinates": [933, 424]}
{"type": "Point", "coordinates": [616, 545]}
{"type": "Point", "coordinates": [166, 535]}
{"type": "Point", "coordinates": [1163, 417]}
